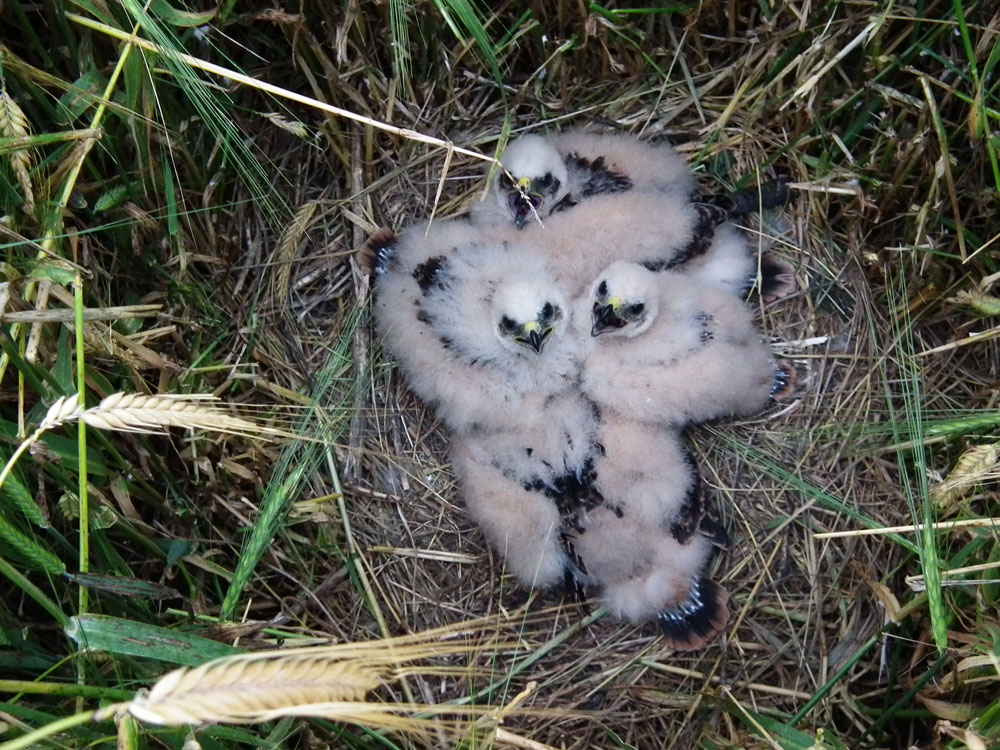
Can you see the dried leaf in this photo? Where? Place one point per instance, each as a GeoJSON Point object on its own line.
{"type": "Point", "coordinates": [946, 710]}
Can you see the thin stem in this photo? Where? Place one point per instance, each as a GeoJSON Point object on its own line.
{"type": "Point", "coordinates": [63, 688]}
{"type": "Point", "coordinates": [18, 578]}
{"type": "Point", "coordinates": [81, 384]}
{"type": "Point", "coordinates": [61, 725]}
{"type": "Point", "coordinates": [25, 444]}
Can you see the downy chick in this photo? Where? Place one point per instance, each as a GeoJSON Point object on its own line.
{"type": "Point", "coordinates": [674, 352]}
{"type": "Point", "coordinates": [636, 204]}
{"type": "Point", "coordinates": [646, 545]}
{"type": "Point", "coordinates": [523, 524]}
{"type": "Point", "coordinates": [477, 328]}
{"type": "Point", "coordinates": [551, 173]}
{"type": "Point", "coordinates": [482, 333]}
{"type": "Point", "coordinates": [588, 199]}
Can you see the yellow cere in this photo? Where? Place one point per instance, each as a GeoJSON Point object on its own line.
{"type": "Point", "coordinates": [524, 183]}
{"type": "Point", "coordinates": [531, 326]}
{"type": "Point", "coordinates": [615, 302]}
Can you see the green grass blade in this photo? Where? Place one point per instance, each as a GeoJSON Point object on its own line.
{"type": "Point", "coordinates": [296, 465]}
{"type": "Point", "coordinates": [129, 638]}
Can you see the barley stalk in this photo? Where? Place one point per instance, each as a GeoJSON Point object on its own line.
{"type": "Point", "coordinates": [317, 682]}
{"type": "Point", "coordinates": [132, 412]}
{"type": "Point", "coordinates": [288, 245]}
{"type": "Point", "coordinates": [14, 124]}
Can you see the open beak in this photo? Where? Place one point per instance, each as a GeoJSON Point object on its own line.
{"type": "Point", "coordinates": [533, 336]}
{"type": "Point", "coordinates": [606, 317]}
{"type": "Point", "coordinates": [523, 204]}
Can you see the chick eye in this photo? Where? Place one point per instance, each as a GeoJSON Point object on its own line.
{"type": "Point", "coordinates": [603, 289]}
{"type": "Point", "coordinates": [634, 311]}
{"type": "Point", "coordinates": [543, 182]}
{"type": "Point", "coordinates": [548, 311]}
{"type": "Point", "coordinates": [507, 325]}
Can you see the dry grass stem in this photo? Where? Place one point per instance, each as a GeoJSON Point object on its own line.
{"type": "Point", "coordinates": [943, 525]}
{"type": "Point", "coordinates": [122, 312]}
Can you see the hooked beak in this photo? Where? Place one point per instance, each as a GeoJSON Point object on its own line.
{"type": "Point", "coordinates": [533, 336]}
{"type": "Point", "coordinates": [606, 317]}
{"type": "Point", "coordinates": [522, 203]}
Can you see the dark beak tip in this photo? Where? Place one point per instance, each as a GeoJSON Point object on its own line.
{"type": "Point", "coordinates": [605, 319]}
{"type": "Point", "coordinates": [536, 342]}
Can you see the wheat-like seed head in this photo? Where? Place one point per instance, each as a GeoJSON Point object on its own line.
{"type": "Point", "coordinates": [974, 466]}
{"type": "Point", "coordinates": [65, 409]}
{"type": "Point", "coordinates": [984, 304]}
{"type": "Point", "coordinates": [132, 412]}
{"type": "Point", "coordinates": [288, 245]}
{"type": "Point", "coordinates": [249, 688]}
{"type": "Point", "coordinates": [245, 689]}
{"type": "Point", "coordinates": [14, 124]}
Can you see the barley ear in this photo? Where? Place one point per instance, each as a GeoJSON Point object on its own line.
{"type": "Point", "coordinates": [14, 124]}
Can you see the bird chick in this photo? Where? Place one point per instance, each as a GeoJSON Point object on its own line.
{"type": "Point", "coordinates": [523, 525]}
{"type": "Point", "coordinates": [591, 199]}
{"type": "Point", "coordinates": [533, 182]}
{"type": "Point", "coordinates": [476, 327]}
{"type": "Point", "coordinates": [638, 204]}
{"type": "Point", "coordinates": [665, 349]}
{"type": "Point", "coordinates": [524, 521]}
{"type": "Point", "coordinates": [648, 541]}
{"type": "Point", "coordinates": [545, 175]}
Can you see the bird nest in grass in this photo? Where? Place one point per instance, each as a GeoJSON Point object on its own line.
{"type": "Point", "coordinates": [802, 607]}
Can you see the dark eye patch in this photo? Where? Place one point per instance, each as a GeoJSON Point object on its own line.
{"type": "Point", "coordinates": [507, 325]}
{"type": "Point", "coordinates": [634, 311]}
{"type": "Point", "coordinates": [550, 313]}
{"type": "Point", "coordinates": [603, 289]}
{"type": "Point", "coordinates": [543, 182]}
{"type": "Point", "coordinates": [505, 182]}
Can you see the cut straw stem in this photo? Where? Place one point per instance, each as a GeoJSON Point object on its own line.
{"type": "Point", "coordinates": [970, 522]}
